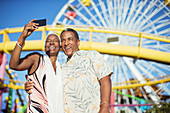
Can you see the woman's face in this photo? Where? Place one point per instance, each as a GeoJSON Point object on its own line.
{"type": "Point", "coordinates": [52, 45]}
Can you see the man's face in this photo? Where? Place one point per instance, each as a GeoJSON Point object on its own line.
{"type": "Point", "coordinates": [69, 43]}
{"type": "Point", "coordinates": [52, 45]}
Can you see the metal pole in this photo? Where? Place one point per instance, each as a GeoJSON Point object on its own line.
{"type": "Point", "coordinates": [2, 74]}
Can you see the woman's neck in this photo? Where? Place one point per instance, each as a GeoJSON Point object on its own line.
{"type": "Point", "coordinates": [53, 62]}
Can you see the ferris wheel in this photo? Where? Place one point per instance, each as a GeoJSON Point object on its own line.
{"type": "Point", "coordinates": [146, 16]}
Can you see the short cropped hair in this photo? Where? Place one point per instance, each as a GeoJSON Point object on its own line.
{"type": "Point", "coordinates": [72, 30]}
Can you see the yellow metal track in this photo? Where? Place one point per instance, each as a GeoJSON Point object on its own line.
{"type": "Point", "coordinates": [138, 81]}
{"type": "Point", "coordinates": [133, 84]}
{"type": "Point", "coordinates": [121, 50]}
{"type": "Point", "coordinates": [13, 86]}
{"type": "Point", "coordinates": [141, 85]}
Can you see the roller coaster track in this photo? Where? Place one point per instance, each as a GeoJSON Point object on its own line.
{"type": "Point", "coordinates": [13, 86]}
{"type": "Point", "coordinates": [12, 82]}
{"type": "Point", "coordinates": [137, 81]}
{"type": "Point", "coordinates": [121, 50]}
{"type": "Point", "coordinates": [143, 84]}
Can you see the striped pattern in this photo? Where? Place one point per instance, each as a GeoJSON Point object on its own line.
{"type": "Point", "coordinates": [38, 100]}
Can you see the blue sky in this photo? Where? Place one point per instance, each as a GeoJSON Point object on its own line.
{"type": "Point", "coordinates": [17, 13]}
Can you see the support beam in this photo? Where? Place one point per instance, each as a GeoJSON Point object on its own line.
{"type": "Point", "coordinates": [121, 50]}
{"type": "Point", "coordinates": [130, 51]}
{"type": "Point", "coordinates": [141, 85]}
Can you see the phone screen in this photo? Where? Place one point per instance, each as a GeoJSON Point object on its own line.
{"type": "Point", "coordinates": [41, 22]}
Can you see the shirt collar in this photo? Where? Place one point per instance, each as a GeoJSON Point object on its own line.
{"type": "Point", "coordinates": [77, 53]}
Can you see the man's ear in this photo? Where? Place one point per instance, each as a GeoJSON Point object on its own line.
{"type": "Point", "coordinates": [78, 42]}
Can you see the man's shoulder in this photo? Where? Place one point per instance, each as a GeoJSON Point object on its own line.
{"type": "Point", "coordinates": [93, 53]}
{"type": "Point", "coordinates": [90, 52]}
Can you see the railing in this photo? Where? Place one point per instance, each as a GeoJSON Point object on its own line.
{"type": "Point", "coordinates": [121, 50]}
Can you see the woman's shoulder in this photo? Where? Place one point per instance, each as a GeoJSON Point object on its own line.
{"type": "Point", "coordinates": [33, 55]}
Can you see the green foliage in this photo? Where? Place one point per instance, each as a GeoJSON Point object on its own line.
{"type": "Point", "coordinates": [163, 107]}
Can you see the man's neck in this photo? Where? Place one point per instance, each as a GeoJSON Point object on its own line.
{"type": "Point", "coordinates": [68, 58]}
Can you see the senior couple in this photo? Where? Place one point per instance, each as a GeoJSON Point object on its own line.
{"type": "Point", "coordinates": [81, 85]}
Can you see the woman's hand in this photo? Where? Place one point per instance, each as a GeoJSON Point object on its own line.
{"type": "Point", "coordinates": [27, 31]}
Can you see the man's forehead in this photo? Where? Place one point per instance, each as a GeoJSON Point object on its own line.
{"type": "Point", "coordinates": [67, 34]}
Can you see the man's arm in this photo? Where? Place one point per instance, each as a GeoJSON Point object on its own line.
{"type": "Point", "coordinates": [105, 90]}
{"type": "Point", "coordinates": [28, 85]}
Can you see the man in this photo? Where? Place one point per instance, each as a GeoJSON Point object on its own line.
{"type": "Point", "coordinates": [87, 84]}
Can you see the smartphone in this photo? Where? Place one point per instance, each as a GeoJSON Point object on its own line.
{"type": "Point", "coordinates": [42, 22]}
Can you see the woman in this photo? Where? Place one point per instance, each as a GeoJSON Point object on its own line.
{"type": "Point", "coordinates": [43, 70]}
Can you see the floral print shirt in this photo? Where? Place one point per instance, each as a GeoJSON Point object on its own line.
{"type": "Point", "coordinates": [81, 81]}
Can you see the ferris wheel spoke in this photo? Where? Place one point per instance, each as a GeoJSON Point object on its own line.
{"type": "Point", "coordinates": [115, 13]}
{"type": "Point", "coordinates": [57, 18]}
{"type": "Point", "coordinates": [141, 79]}
{"type": "Point", "coordinates": [156, 22]}
{"type": "Point", "coordinates": [156, 27]}
{"type": "Point", "coordinates": [144, 93]}
{"type": "Point", "coordinates": [161, 24]}
{"type": "Point", "coordinates": [146, 10]}
{"type": "Point", "coordinates": [137, 13]}
{"type": "Point", "coordinates": [149, 42]}
{"type": "Point", "coordinates": [131, 14]}
{"type": "Point", "coordinates": [125, 71]}
{"type": "Point", "coordinates": [131, 90]}
{"type": "Point", "coordinates": [165, 31]}
{"type": "Point", "coordinates": [154, 47]}
{"type": "Point", "coordinates": [120, 74]}
{"type": "Point", "coordinates": [151, 76]}
{"type": "Point", "coordinates": [122, 16]}
{"type": "Point", "coordinates": [99, 14]}
{"type": "Point", "coordinates": [135, 101]}
{"type": "Point", "coordinates": [125, 11]}
{"type": "Point", "coordinates": [148, 18]}
{"type": "Point", "coordinates": [82, 16]}
{"type": "Point", "coordinates": [126, 99]}
{"type": "Point", "coordinates": [145, 70]}
{"type": "Point", "coordinates": [115, 70]}
{"type": "Point", "coordinates": [119, 14]}
{"type": "Point", "coordinates": [77, 22]}
{"type": "Point", "coordinates": [166, 50]}
{"type": "Point", "coordinates": [90, 14]}
{"type": "Point", "coordinates": [166, 89]}
{"type": "Point", "coordinates": [163, 66]}
{"type": "Point", "coordinates": [110, 11]}
{"type": "Point", "coordinates": [104, 11]}
{"type": "Point", "coordinates": [164, 46]}
{"type": "Point", "coordinates": [147, 24]}
{"type": "Point", "coordinates": [160, 72]}
{"type": "Point", "coordinates": [159, 19]}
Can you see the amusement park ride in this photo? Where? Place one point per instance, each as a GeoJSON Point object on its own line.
{"type": "Point", "coordinates": [132, 35]}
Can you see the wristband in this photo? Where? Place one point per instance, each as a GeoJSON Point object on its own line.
{"type": "Point", "coordinates": [104, 103]}
{"type": "Point", "coordinates": [19, 44]}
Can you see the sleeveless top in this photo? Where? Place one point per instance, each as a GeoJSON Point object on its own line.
{"type": "Point", "coordinates": [37, 102]}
